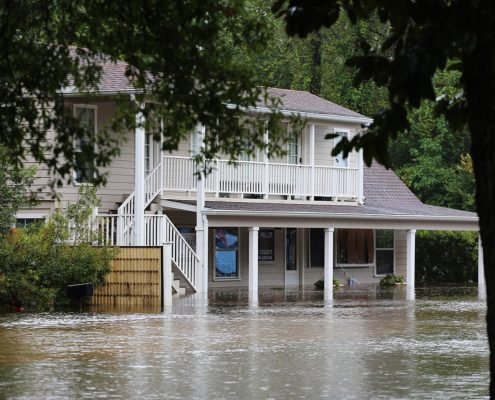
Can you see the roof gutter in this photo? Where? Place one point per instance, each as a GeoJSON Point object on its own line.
{"type": "Point", "coordinates": [101, 93]}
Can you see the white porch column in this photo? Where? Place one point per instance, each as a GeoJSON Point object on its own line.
{"type": "Point", "coordinates": [266, 182]}
{"type": "Point", "coordinates": [253, 264]}
{"type": "Point", "coordinates": [167, 275]}
{"type": "Point", "coordinates": [481, 271]}
{"type": "Point", "coordinates": [139, 138]}
{"type": "Point", "coordinates": [205, 254]}
{"type": "Point", "coordinates": [200, 204]}
{"type": "Point", "coordinates": [312, 159]}
{"type": "Point", "coordinates": [360, 177]}
{"type": "Point", "coordinates": [411, 263]}
{"type": "Point", "coordinates": [328, 273]}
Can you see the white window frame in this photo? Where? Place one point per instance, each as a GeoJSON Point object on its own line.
{"type": "Point", "coordinates": [90, 107]}
{"type": "Point", "coordinates": [345, 133]}
{"type": "Point", "coordinates": [297, 142]}
{"type": "Point", "coordinates": [224, 279]}
{"type": "Point", "coordinates": [392, 249]}
{"type": "Point", "coordinates": [148, 144]}
{"type": "Point", "coordinates": [37, 215]}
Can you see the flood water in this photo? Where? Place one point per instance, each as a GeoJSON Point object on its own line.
{"type": "Point", "coordinates": [368, 344]}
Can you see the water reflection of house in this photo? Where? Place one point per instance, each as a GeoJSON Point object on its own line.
{"type": "Point", "coordinates": [317, 214]}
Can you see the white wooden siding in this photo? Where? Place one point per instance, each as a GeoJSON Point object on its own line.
{"type": "Point", "coordinates": [400, 253]}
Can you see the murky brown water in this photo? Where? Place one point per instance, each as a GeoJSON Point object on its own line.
{"type": "Point", "coordinates": [370, 344]}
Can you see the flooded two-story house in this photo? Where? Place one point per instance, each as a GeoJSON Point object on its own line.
{"type": "Point", "coordinates": [258, 221]}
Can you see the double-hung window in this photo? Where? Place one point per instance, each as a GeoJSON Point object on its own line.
{"type": "Point", "coordinates": [85, 144]}
{"type": "Point", "coordinates": [151, 145]}
{"type": "Point", "coordinates": [384, 251]}
{"type": "Point", "coordinates": [292, 146]}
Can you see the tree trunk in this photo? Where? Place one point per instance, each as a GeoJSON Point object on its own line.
{"type": "Point", "coordinates": [315, 83]}
{"type": "Point", "coordinates": [479, 83]}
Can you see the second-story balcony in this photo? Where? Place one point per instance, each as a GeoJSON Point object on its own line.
{"type": "Point", "coordinates": [263, 179]}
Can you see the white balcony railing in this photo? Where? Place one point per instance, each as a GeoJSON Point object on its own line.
{"type": "Point", "coordinates": [248, 177]}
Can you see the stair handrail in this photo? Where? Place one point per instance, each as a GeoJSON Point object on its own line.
{"type": "Point", "coordinates": [152, 184]}
{"type": "Point", "coordinates": [153, 181]}
{"type": "Point", "coordinates": [179, 246]}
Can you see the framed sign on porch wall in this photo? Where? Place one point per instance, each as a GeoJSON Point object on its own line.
{"type": "Point", "coordinates": [266, 245]}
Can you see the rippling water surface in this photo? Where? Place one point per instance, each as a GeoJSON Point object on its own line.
{"type": "Point", "coordinates": [369, 344]}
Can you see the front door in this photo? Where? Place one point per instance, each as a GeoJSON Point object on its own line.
{"type": "Point", "coordinates": [291, 269]}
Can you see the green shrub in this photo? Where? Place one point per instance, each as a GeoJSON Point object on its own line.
{"type": "Point", "coordinates": [320, 284]}
{"type": "Point", "coordinates": [40, 261]}
{"type": "Point", "coordinates": [446, 257]}
{"type": "Point", "coordinates": [391, 279]}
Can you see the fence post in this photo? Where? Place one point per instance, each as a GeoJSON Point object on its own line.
{"type": "Point", "coordinates": [166, 275]}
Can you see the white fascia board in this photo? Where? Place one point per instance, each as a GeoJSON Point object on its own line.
{"type": "Point", "coordinates": [348, 220]}
{"type": "Point", "coordinates": [308, 115]}
{"type": "Point", "coordinates": [32, 214]}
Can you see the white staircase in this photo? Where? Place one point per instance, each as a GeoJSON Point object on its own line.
{"type": "Point", "coordinates": [118, 229]}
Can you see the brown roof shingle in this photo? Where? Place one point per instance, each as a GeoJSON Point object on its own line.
{"type": "Point", "coordinates": [305, 102]}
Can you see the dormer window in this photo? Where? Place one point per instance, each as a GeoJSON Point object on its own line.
{"type": "Point", "coordinates": [84, 165]}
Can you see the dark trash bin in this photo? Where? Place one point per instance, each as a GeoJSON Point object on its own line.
{"type": "Point", "coordinates": [77, 293]}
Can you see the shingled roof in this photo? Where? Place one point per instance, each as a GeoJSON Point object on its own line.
{"type": "Point", "coordinates": [114, 80]}
{"type": "Point", "coordinates": [113, 73]}
{"type": "Point", "coordinates": [305, 102]}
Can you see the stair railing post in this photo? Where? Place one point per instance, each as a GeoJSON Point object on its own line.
{"type": "Point", "coordinates": [166, 275]}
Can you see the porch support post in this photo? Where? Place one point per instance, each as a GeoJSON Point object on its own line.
{"type": "Point", "coordinates": [166, 275]}
{"type": "Point", "coordinates": [253, 264]}
{"type": "Point", "coordinates": [162, 176]}
{"type": "Point", "coordinates": [266, 182]}
{"type": "Point", "coordinates": [205, 254]}
{"type": "Point", "coordinates": [360, 177]}
{"type": "Point", "coordinates": [139, 138]}
{"type": "Point", "coordinates": [328, 273]}
{"type": "Point", "coordinates": [200, 204]}
{"type": "Point", "coordinates": [312, 159]}
{"type": "Point", "coordinates": [411, 263]}
{"type": "Point", "coordinates": [481, 271]}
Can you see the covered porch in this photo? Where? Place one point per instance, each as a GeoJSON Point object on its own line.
{"type": "Point", "coordinates": [263, 244]}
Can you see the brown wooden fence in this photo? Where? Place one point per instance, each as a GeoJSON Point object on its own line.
{"type": "Point", "coordinates": [135, 279]}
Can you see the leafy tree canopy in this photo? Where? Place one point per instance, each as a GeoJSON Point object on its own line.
{"type": "Point", "coordinates": [425, 37]}
{"type": "Point", "coordinates": [179, 52]}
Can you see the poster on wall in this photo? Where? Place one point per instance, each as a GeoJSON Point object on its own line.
{"type": "Point", "coordinates": [266, 245]}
